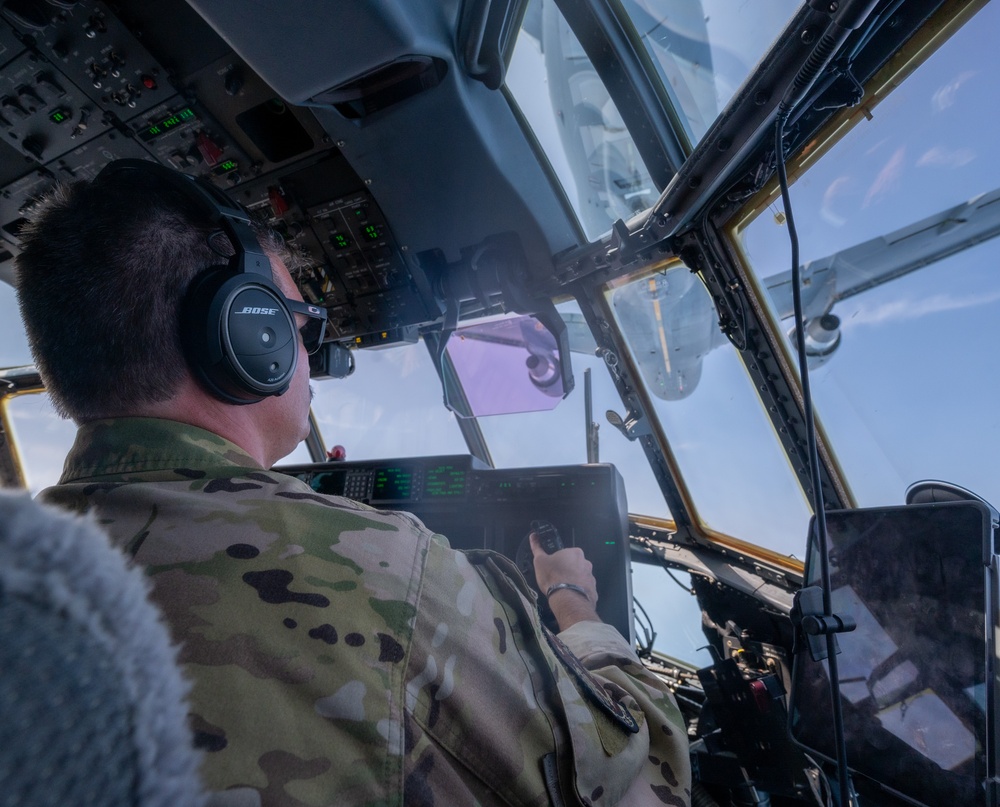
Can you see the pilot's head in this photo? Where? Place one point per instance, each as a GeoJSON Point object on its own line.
{"type": "Point", "coordinates": [104, 269]}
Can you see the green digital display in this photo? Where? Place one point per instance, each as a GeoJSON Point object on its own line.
{"type": "Point", "coordinates": [225, 167]}
{"type": "Point", "coordinates": [371, 233]}
{"type": "Point", "coordinates": [59, 116]}
{"type": "Point", "coordinates": [444, 481]}
{"type": "Point", "coordinates": [154, 130]}
{"type": "Point", "coordinates": [339, 241]}
{"type": "Point", "coordinates": [392, 484]}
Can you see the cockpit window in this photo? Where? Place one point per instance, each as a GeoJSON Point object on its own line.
{"type": "Point", "coordinates": [13, 341]}
{"type": "Point", "coordinates": [39, 436]}
{"type": "Point", "coordinates": [42, 438]}
{"type": "Point", "coordinates": [576, 123]}
{"type": "Point", "coordinates": [898, 226]}
{"type": "Point", "coordinates": [704, 50]}
{"type": "Point", "coordinates": [738, 477]}
{"type": "Point", "coordinates": [701, 52]}
{"type": "Point", "coordinates": [391, 407]}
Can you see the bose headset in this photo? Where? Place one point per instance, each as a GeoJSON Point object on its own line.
{"type": "Point", "coordinates": [237, 328]}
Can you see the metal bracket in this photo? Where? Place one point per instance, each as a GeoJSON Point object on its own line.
{"type": "Point", "coordinates": [632, 425]}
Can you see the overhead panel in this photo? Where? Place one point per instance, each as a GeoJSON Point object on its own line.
{"type": "Point", "coordinates": [79, 88]}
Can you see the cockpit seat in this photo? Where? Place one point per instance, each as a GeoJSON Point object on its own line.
{"type": "Point", "coordinates": [91, 698]}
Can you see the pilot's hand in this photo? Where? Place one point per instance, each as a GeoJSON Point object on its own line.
{"type": "Point", "coordinates": [566, 566]}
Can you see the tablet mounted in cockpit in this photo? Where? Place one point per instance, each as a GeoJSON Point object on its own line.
{"type": "Point", "coordinates": [915, 674]}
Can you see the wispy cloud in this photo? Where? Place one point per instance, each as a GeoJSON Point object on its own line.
{"type": "Point", "coordinates": [938, 157]}
{"type": "Point", "coordinates": [888, 177]}
{"type": "Point", "coordinates": [839, 187]}
{"type": "Point", "coordinates": [876, 146]}
{"type": "Point", "coordinates": [944, 97]}
{"type": "Point", "coordinates": [902, 310]}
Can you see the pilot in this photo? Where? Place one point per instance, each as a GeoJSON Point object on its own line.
{"type": "Point", "coordinates": [339, 654]}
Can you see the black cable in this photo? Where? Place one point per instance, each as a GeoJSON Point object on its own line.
{"type": "Point", "coordinates": [670, 574]}
{"type": "Point", "coordinates": [659, 554]}
{"type": "Point", "coordinates": [647, 629]}
{"type": "Point", "coordinates": [843, 777]}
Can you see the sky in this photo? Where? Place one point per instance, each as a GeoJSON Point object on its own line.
{"type": "Point", "coordinates": [13, 343]}
{"type": "Point", "coordinates": [910, 392]}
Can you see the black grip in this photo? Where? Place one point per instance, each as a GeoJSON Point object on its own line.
{"type": "Point", "coordinates": [548, 536]}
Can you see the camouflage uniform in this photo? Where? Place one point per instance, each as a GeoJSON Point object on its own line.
{"type": "Point", "coordinates": [345, 655]}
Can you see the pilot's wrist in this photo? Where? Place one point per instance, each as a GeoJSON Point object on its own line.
{"type": "Point", "coordinates": [570, 606]}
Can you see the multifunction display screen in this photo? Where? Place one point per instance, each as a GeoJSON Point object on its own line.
{"type": "Point", "coordinates": [444, 481]}
{"type": "Point", "coordinates": [393, 484]}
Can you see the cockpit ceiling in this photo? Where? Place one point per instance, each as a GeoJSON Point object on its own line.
{"type": "Point", "coordinates": [405, 171]}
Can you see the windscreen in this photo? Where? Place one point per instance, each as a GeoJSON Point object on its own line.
{"type": "Point", "coordinates": [913, 673]}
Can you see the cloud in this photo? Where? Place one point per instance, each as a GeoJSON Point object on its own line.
{"type": "Point", "coordinates": [946, 158]}
{"type": "Point", "coordinates": [909, 309]}
{"type": "Point", "coordinates": [876, 146]}
{"type": "Point", "coordinates": [944, 97]}
{"type": "Point", "coordinates": [888, 177]}
{"type": "Point", "coordinates": [839, 187]}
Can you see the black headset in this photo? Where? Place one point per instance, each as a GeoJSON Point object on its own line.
{"type": "Point", "coordinates": [237, 329]}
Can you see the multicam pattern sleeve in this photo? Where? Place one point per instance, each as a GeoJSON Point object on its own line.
{"type": "Point", "coordinates": [344, 655]}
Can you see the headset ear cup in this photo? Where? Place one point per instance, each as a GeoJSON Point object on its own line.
{"type": "Point", "coordinates": [238, 335]}
{"type": "Point", "coordinates": [237, 331]}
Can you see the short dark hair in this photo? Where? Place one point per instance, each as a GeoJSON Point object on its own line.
{"type": "Point", "coordinates": [101, 274]}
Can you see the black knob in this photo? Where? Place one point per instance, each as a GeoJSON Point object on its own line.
{"type": "Point", "coordinates": [35, 146]}
{"type": "Point", "coordinates": [234, 81]}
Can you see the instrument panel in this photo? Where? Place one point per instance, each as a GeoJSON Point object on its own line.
{"type": "Point", "coordinates": [477, 507]}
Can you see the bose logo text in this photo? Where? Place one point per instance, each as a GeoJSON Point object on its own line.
{"type": "Point", "coordinates": [254, 310]}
